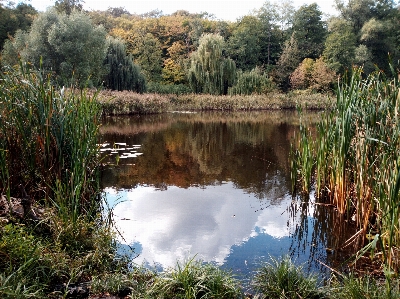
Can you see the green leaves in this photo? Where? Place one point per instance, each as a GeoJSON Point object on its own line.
{"type": "Point", "coordinates": [210, 72]}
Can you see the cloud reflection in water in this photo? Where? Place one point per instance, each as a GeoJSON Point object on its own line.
{"type": "Point", "coordinates": [178, 223]}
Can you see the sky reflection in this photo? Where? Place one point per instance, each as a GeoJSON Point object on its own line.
{"type": "Point", "coordinates": [178, 223]}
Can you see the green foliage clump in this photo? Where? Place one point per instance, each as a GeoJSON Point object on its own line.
{"type": "Point", "coordinates": [210, 72]}
{"type": "Point", "coordinates": [177, 89]}
{"type": "Point", "coordinates": [352, 287]}
{"type": "Point", "coordinates": [68, 45]}
{"type": "Point", "coordinates": [122, 73]}
{"type": "Point", "coordinates": [252, 82]}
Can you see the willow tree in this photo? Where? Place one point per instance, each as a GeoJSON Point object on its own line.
{"type": "Point", "coordinates": [211, 72]}
{"type": "Point", "coordinates": [123, 73]}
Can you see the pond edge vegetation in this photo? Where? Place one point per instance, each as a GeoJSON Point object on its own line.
{"type": "Point", "coordinates": [127, 103]}
{"type": "Point", "coordinates": [54, 234]}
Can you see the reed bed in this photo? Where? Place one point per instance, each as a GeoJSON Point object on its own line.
{"type": "Point", "coordinates": [48, 142]}
{"type": "Point", "coordinates": [126, 103]}
{"type": "Point", "coordinates": [119, 103]}
{"type": "Point", "coordinates": [49, 157]}
{"type": "Point", "coordinates": [355, 159]}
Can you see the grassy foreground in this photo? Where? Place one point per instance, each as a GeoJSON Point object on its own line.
{"type": "Point", "coordinates": [56, 243]}
{"type": "Point", "coordinates": [119, 103]}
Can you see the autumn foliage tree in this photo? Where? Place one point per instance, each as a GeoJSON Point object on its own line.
{"type": "Point", "coordinates": [312, 74]}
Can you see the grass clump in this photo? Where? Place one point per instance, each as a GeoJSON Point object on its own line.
{"type": "Point", "coordinates": [283, 279]}
{"type": "Point", "coordinates": [195, 279]}
{"type": "Point", "coordinates": [351, 287]}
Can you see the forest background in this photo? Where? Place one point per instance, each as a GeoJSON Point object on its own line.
{"type": "Point", "coordinates": [274, 47]}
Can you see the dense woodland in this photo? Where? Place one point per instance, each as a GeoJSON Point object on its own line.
{"type": "Point", "coordinates": [274, 47]}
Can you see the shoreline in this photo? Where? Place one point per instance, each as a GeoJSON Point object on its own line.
{"type": "Point", "coordinates": [131, 103]}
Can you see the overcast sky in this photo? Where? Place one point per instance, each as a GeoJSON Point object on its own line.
{"type": "Point", "coordinates": [228, 10]}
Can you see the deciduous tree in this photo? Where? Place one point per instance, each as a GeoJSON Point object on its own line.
{"type": "Point", "coordinates": [68, 45]}
{"type": "Point", "coordinates": [122, 73]}
{"type": "Point", "coordinates": [211, 72]}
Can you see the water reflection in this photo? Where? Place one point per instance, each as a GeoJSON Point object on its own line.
{"type": "Point", "coordinates": [212, 184]}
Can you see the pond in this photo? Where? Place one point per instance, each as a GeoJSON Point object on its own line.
{"type": "Point", "coordinates": [212, 185]}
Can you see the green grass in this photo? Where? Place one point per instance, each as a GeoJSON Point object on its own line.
{"type": "Point", "coordinates": [195, 279]}
{"type": "Point", "coordinates": [283, 279]}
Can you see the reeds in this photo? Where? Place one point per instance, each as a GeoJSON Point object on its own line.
{"type": "Point", "coordinates": [357, 159]}
{"type": "Point", "coordinates": [120, 103]}
{"type": "Point", "coordinates": [48, 142]}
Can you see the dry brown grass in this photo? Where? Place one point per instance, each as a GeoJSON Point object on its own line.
{"type": "Point", "coordinates": [119, 103]}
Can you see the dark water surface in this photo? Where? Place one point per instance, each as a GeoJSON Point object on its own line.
{"type": "Point", "coordinates": [215, 185]}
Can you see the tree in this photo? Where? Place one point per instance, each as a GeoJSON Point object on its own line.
{"type": "Point", "coordinates": [312, 74]}
{"type": "Point", "coordinates": [357, 12]}
{"type": "Point", "coordinates": [288, 61]}
{"type": "Point", "coordinates": [68, 6]}
{"type": "Point", "coordinates": [68, 45]}
{"type": "Point", "coordinates": [340, 45]}
{"type": "Point", "coordinates": [244, 46]}
{"type": "Point", "coordinates": [146, 50]}
{"type": "Point", "coordinates": [80, 47]}
{"type": "Point", "coordinates": [211, 72]}
{"type": "Point", "coordinates": [122, 73]}
{"type": "Point", "coordinates": [174, 67]}
{"type": "Point", "coordinates": [252, 82]}
{"type": "Point", "coordinates": [275, 19]}
{"type": "Point", "coordinates": [376, 27]}
{"type": "Point", "coordinates": [309, 30]}
{"type": "Point", "coordinates": [15, 18]}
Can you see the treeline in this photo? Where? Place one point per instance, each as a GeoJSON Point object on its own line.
{"type": "Point", "coordinates": [276, 46]}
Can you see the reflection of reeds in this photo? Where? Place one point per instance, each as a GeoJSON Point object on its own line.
{"type": "Point", "coordinates": [357, 158]}
{"type": "Point", "coordinates": [47, 141]}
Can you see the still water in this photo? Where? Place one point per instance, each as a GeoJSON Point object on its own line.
{"type": "Point", "coordinates": [212, 185]}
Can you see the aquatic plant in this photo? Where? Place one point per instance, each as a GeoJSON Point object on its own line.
{"type": "Point", "coordinates": [48, 141]}
{"type": "Point", "coordinates": [357, 161]}
{"type": "Point", "coordinates": [120, 103]}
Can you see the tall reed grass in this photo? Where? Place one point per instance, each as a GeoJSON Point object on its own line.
{"type": "Point", "coordinates": [357, 160]}
{"type": "Point", "coordinates": [122, 103]}
{"type": "Point", "coordinates": [48, 142]}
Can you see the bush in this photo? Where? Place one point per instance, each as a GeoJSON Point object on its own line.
{"type": "Point", "coordinates": [252, 82]}
{"type": "Point", "coordinates": [177, 89]}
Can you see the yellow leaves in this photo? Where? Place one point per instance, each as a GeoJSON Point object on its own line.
{"type": "Point", "coordinates": [173, 72]}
